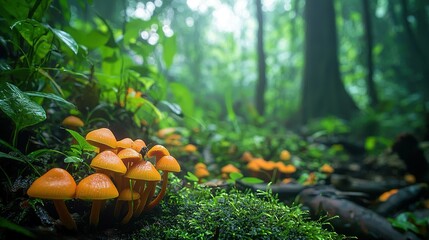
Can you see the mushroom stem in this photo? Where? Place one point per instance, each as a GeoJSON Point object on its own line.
{"type": "Point", "coordinates": [161, 192]}
{"type": "Point", "coordinates": [118, 207]}
{"type": "Point", "coordinates": [95, 212]}
{"type": "Point", "coordinates": [127, 217]}
{"type": "Point", "coordinates": [145, 196]}
{"type": "Point", "coordinates": [64, 214]}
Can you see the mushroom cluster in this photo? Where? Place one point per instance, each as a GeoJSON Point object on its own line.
{"type": "Point", "coordinates": [123, 171]}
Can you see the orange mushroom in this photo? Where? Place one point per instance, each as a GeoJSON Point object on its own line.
{"type": "Point", "coordinates": [131, 197]}
{"type": "Point", "coordinates": [247, 156]}
{"type": "Point", "coordinates": [325, 168]}
{"type": "Point", "coordinates": [102, 138]}
{"type": "Point", "coordinates": [158, 151]}
{"type": "Point", "coordinates": [201, 173]}
{"type": "Point", "coordinates": [190, 148]}
{"type": "Point", "coordinates": [129, 156]}
{"type": "Point", "coordinates": [72, 122]}
{"type": "Point", "coordinates": [144, 173]}
{"type": "Point", "coordinates": [124, 143]}
{"type": "Point", "coordinates": [166, 164]}
{"type": "Point", "coordinates": [57, 185]}
{"type": "Point", "coordinates": [139, 145]}
{"type": "Point", "coordinates": [200, 165]}
{"type": "Point", "coordinates": [96, 187]}
{"type": "Point", "coordinates": [109, 163]}
{"type": "Point", "coordinates": [285, 155]}
{"type": "Point", "coordinates": [227, 169]}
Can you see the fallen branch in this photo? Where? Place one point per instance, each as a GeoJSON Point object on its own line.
{"type": "Point", "coordinates": [353, 220]}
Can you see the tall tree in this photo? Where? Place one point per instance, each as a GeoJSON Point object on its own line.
{"type": "Point", "coordinates": [262, 78]}
{"type": "Point", "coordinates": [323, 92]}
{"type": "Point", "coordinates": [370, 85]}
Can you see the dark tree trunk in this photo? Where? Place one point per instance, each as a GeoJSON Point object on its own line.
{"type": "Point", "coordinates": [262, 78]}
{"type": "Point", "coordinates": [370, 85]}
{"type": "Point", "coordinates": [323, 92]}
{"type": "Point", "coordinates": [420, 60]}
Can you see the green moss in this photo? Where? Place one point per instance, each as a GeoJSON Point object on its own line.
{"type": "Point", "coordinates": [201, 213]}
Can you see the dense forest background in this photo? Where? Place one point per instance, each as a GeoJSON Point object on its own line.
{"type": "Point", "coordinates": [288, 64]}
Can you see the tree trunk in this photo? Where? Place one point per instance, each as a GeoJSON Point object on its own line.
{"type": "Point", "coordinates": [323, 92]}
{"type": "Point", "coordinates": [262, 78]}
{"type": "Point", "coordinates": [370, 85]}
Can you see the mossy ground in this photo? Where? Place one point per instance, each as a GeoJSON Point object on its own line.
{"type": "Point", "coordinates": [196, 212]}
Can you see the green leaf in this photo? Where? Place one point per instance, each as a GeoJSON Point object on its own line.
{"type": "Point", "coordinates": [17, 106]}
{"type": "Point", "coordinates": [235, 175]}
{"type": "Point", "coordinates": [67, 39]}
{"type": "Point", "coordinates": [30, 30]}
{"type": "Point", "coordinates": [51, 96]}
{"type": "Point", "coordinates": [169, 50]}
{"type": "Point", "coordinates": [6, 224]}
{"type": "Point", "coordinates": [251, 180]}
{"type": "Point", "coordinates": [191, 177]}
{"type": "Point", "coordinates": [8, 156]}
{"type": "Point", "coordinates": [73, 159]}
{"type": "Point", "coordinates": [84, 145]}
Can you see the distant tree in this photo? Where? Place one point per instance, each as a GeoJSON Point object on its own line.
{"type": "Point", "coordinates": [323, 92]}
{"type": "Point", "coordinates": [262, 78]}
{"type": "Point", "coordinates": [370, 85]}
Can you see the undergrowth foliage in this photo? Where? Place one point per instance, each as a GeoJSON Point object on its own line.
{"type": "Point", "coordinates": [205, 213]}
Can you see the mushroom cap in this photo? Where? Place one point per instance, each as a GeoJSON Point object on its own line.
{"type": "Point", "coordinates": [288, 169]}
{"type": "Point", "coordinates": [253, 166]}
{"type": "Point", "coordinates": [96, 186]}
{"type": "Point", "coordinates": [72, 121]}
{"type": "Point", "coordinates": [158, 151]}
{"type": "Point", "coordinates": [229, 168]}
{"type": "Point", "coordinates": [201, 172]}
{"type": "Point", "coordinates": [143, 170]}
{"type": "Point", "coordinates": [168, 163]}
{"type": "Point", "coordinates": [200, 165]}
{"type": "Point", "coordinates": [327, 169]}
{"type": "Point", "coordinates": [268, 165]}
{"type": "Point", "coordinates": [247, 156]}
{"type": "Point", "coordinates": [101, 138]}
{"type": "Point", "coordinates": [124, 143]}
{"type": "Point", "coordinates": [129, 155]}
{"type": "Point", "coordinates": [56, 183]}
{"type": "Point", "coordinates": [162, 133]}
{"type": "Point", "coordinates": [284, 155]}
{"type": "Point", "coordinates": [190, 148]}
{"type": "Point", "coordinates": [128, 195]}
{"type": "Point", "coordinates": [138, 144]}
{"type": "Point", "coordinates": [108, 160]}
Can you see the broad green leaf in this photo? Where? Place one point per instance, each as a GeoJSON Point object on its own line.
{"type": "Point", "coordinates": [43, 45]}
{"type": "Point", "coordinates": [31, 30]}
{"type": "Point", "coordinates": [235, 175]}
{"type": "Point", "coordinates": [90, 39]}
{"type": "Point", "coordinates": [85, 146]}
{"type": "Point", "coordinates": [169, 50]}
{"type": "Point", "coordinates": [133, 29]}
{"type": "Point", "coordinates": [51, 96]}
{"type": "Point", "coordinates": [183, 97]}
{"type": "Point", "coordinates": [52, 81]}
{"type": "Point", "coordinates": [251, 180]}
{"type": "Point", "coordinates": [17, 106]}
{"type": "Point", "coordinates": [66, 39]}
{"type": "Point", "coordinates": [6, 224]}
